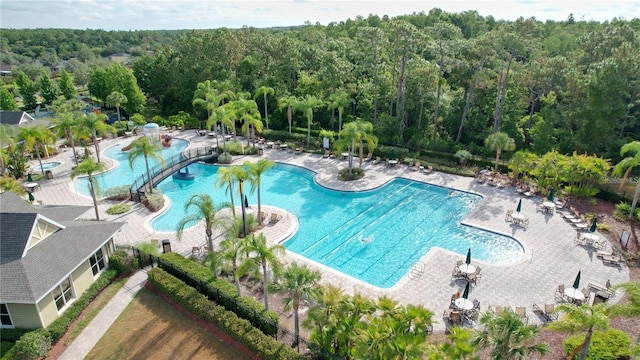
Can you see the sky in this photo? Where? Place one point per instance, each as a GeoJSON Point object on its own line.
{"type": "Point", "coordinates": [209, 14]}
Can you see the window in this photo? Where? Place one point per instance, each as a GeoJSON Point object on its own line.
{"type": "Point", "coordinates": [4, 316]}
{"type": "Point", "coordinates": [63, 294]}
{"type": "Point", "coordinates": [97, 262]}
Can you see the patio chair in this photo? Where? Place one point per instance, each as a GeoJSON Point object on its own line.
{"type": "Point", "coordinates": [476, 276]}
{"type": "Point", "coordinates": [560, 293]}
{"type": "Point", "coordinates": [155, 242]}
{"type": "Point", "coordinates": [263, 216]}
{"type": "Point", "coordinates": [453, 317]}
{"type": "Point", "coordinates": [415, 166]}
{"type": "Point", "coordinates": [522, 312]}
{"type": "Point", "coordinates": [274, 218]}
{"type": "Point", "coordinates": [508, 217]}
{"type": "Point", "coordinates": [496, 309]}
{"type": "Point", "coordinates": [326, 153]}
{"type": "Point", "coordinates": [587, 294]}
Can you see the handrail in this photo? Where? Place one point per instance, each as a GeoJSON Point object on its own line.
{"type": "Point", "coordinates": [171, 165]}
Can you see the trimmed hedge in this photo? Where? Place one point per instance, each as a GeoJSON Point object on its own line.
{"type": "Point", "coordinates": [220, 291]}
{"type": "Point", "coordinates": [240, 329]}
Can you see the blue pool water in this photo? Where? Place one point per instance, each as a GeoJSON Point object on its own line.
{"type": "Point", "coordinates": [375, 236]}
{"type": "Point", "coordinates": [46, 166]}
{"type": "Point", "coordinates": [122, 173]}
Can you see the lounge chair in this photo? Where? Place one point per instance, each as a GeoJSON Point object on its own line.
{"type": "Point", "coordinates": [327, 153]}
{"type": "Point", "coordinates": [415, 166]}
{"type": "Point", "coordinates": [377, 160]}
{"type": "Point", "coordinates": [612, 259]}
{"type": "Point", "coordinates": [263, 216]}
{"type": "Point", "coordinates": [274, 218]}
{"type": "Point", "coordinates": [605, 288]}
{"type": "Point", "coordinates": [428, 169]}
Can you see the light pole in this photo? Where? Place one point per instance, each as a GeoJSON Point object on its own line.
{"type": "Point", "coordinates": [244, 212]}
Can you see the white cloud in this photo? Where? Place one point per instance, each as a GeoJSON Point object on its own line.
{"type": "Point", "coordinates": [198, 14]}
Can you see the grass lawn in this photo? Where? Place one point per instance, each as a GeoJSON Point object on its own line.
{"type": "Point", "coordinates": [150, 328]}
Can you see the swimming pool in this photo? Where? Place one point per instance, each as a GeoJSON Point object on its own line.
{"type": "Point", "coordinates": [375, 236]}
{"type": "Point", "coordinates": [46, 166]}
{"type": "Point", "coordinates": [122, 173]}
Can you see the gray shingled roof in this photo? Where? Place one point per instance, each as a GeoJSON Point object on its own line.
{"type": "Point", "coordinates": [29, 278]}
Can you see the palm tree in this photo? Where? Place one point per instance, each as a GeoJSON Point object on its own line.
{"type": "Point", "coordinates": [255, 176]}
{"type": "Point", "coordinates": [142, 146]}
{"type": "Point", "coordinates": [258, 252]}
{"type": "Point", "coordinates": [33, 138]}
{"type": "Point", "coordinates": [498, 142]}
{"type": "Point", "coordinates": [65, 124]}
{"type": "Point", "coordinates": [7, 139]}
{"type": "Point", "coordinates": [508, 336]}
{"type": "Point", "coordinates": [289, 102]}
{"type": "Point", "coordinates": [89, 167]}
{"type": "Point", "coordinates": [231, 249]}
{"type": "Point", "coordinates": [264, 91]}
{"type": "Point", "coordinates": [339, 101]}
{"type": "Point", "coordinates": [324, 320]}
{"type": "Point", "coordinates": [297, 282]}
{"type": "Point", "coordinates": [93, 126]}
{"type": "Point", "coordinates": [630, 308]}
{"type": "Point", "coordinates": [307, 106]}
{"type": "Point", "coordinates": [116, 99]}
{"type": "Point", "coordinates": [241, 174]}
{"type": "Point", "coordinates": [214, 261]}
{"type": "Point", "coordinates": [228, 120]}
{"type": "Point", "coordinates": [250, 116]}
{"type": "Point", "coordinates": [458, 347]}
{"type": "Point", "coordinates": [205, 210]}
{"type": "Point", "coordinates": [9, 183]}
{"type": "Point", "coordinates": [226, 178]}
{"type": "Point", "coordinates": [582, 318]}
{"type": "Point", "coordinates": [357, 132]}
{"type": "Point", "coordinates": [627, 164]}
{"type": "Point", "coordinates": [206, 96]}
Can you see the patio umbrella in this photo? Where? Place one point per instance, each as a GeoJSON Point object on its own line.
{"type": "Point", "coordinates": [468, 260]}
{"type": "Point", "coordinates": [519, 206]}
{"type": "Point", "coordinates": [392, 155]}
{"type": "Point", "coordinates": [29, 178]}
{"type": "Point", "coordinates": [594, 225]}
{"type": "Point", "coordinates": [550, 196]}
{"type": "Point", "coordinates": [31, 198]}
{"type": "Point", "coordinates": [246, 201]}
{"type": "Point", "coordinates": [465, 294]}
{"type": "Point", "coordinates": [576, 282]}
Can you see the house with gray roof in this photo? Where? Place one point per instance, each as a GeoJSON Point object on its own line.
{"type": "Point", "coordinates": [48, 258]}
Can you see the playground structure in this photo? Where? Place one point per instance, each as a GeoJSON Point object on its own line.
{"type": "Point", "coordinates": [153, 133]}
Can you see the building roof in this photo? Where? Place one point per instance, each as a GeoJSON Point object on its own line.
{"type": "Point", "coordinates": [28, 274]}
{"type": "Point", "coordinates": [21, 119]}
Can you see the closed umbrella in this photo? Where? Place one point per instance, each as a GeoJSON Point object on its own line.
{"type": "Point", "coordinates": [468, 260]}
{"type": "Point", "coordinates": [594, 225]}
{"type": "Point", "coordinates": [465, 294]}
{"type": "Point", "coordinates": [246, 201]}
{"type": "Point", "coordinates": [31, 198]}
{"type": "Point", "coordinates": [550, 196]}
{"type": "Point", "coordinates": [519, 206]}
{"type": "Point", "coordinates": [29, 178]}
{"type": "Point", "coordinates": [576, 282]}
{"type": "Point", "coordinates": [392, 156]}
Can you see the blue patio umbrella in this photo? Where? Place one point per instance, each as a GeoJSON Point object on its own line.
{"type": "Point", "coordinates": [550, 196]}
{"type": "Point", "coordinates": [468, 260]}
{"type": "Point", "coordinates": [465, 294]}
{"type": "Point", "coordinates": [576, 282]}
{"type": "Point", "coordinates": [519, 206]}
{"type": "Point", "coordinates": [594, 225]}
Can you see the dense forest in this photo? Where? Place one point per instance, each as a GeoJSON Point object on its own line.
{"type": "Point", "coordinates": [437, 80]}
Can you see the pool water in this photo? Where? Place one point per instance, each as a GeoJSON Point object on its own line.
{"type": "Point", "coordinates": [46, 166]}
{"type": "Point", "coordinates": [122, 174]}
{"type": "Point", "coordinates": [375, 236]}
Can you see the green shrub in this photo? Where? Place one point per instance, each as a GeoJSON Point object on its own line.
{"type": "Point", "coordinates": [13, 335]}
{"type": "Point", "coordinates": [220, 291]}
{"type": "Point", "coordinates": [155, 201]}
{"type": "Point", "coordinates": [5, 347]}
{"type": "Point", "coordinates": [605, 345]}
{"type": "Point", "coordinates": [122, 262]}
{"type": "Point", "coordinates": [117, 193]}
{"type": "Point", "coordinates": [622, 211]}
{"type": "Point", "coordinates": [118, 209]}
{"type": "Point", "coordinates": [32, 345]}
{"type": "Point", "coordinates": [225, 158]}
{"type": "Point", "coordinates": [265, 346]}
{"type": "Point", "coordinates": [356, 174]}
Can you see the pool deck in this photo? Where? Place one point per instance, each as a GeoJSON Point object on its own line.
{"type": "Point", "coordinates": [551, 258]}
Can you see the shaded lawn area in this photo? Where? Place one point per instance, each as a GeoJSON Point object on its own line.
{"type": "Point", "coordinates": [150, 328]}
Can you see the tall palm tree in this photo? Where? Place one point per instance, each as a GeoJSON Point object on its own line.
{"type": "Point", "coordinates": [324, 320]}
{"type": "Point", "coordinates": [33, 138]}
{"type": "Point", "coordinates": [231, 249]}
{"type": "Point", "coordinates": [89, 167]}
{"type": "Point", "coordinates": [65, 125]}
{"type": "Point", "coordinates": [206, 96]}
{"type": "Point", "coordinates": [142, 146]}
{"type": "Point", "coordinates": [297, 282]}
{"type": "Point", "coordinates": [116, 99]}
{"type": "Point", "coordinates": [250, 116]}
{"type": "Point", "coordinates": [217, 115]}
{"type": "Point", "coordinates": [632, 151]}
{"type": "Point", "coordinates": [264, 91]}
{"type": "Point", "coordinates": [206, 211]}
{"type": "Point", "coordinates": [339, 101]}
{"type": "Point", "coordinates": [289, 102]}
{"type": "Point", "coordinates": [257, 251]}
{"type": "Point", "coordinates": [240, 175]}
{"type": "Point", "coordinates": [508, 336]}
{"type": "Point", "coordinates": [228, 121]}
{"type": "Point", "coordinates": [578, 319]}
{"type": "Point", "coordinates": [94, 126]}
{"type": "Point", "coordinates": [307, 106]}
{"type": "Point", "coordinates": [357, 132]}
{"type": "Point", "coordinates": [7, 139]}
{"type": "Point", "coordinates": [74, 108]}
{"type": "Point", "coordinates": [226, 178]}
{"type": "Point", "coordinates": [499, 142]}
{"type": "Point", "coordinates": [255, 176]}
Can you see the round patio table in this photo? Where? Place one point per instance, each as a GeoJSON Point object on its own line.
{"type": "Point", "coordinates": [467, 268]}
{"type": "Point", "coordinates": [463, 304]}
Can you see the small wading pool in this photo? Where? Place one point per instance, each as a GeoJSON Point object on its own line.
{"type": "Point", "coordinates": [46, 166]}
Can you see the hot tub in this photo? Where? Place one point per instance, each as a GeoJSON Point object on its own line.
{"type": "Point", "coordinates": [46, 166]}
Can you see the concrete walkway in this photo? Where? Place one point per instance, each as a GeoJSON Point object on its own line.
{"type": "Point", "coordinates": [90, 336]}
